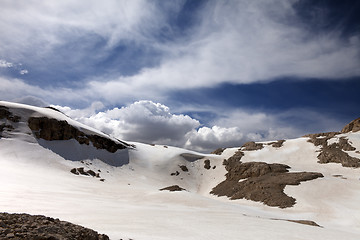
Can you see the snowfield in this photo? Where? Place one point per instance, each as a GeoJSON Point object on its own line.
{"type": "Point", "coordinates": [124, 201]}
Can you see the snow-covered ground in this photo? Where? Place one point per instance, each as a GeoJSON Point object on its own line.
{"type": "Point", "coordinates": [36, 179]}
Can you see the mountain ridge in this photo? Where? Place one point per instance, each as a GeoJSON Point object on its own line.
{"type": "Point", "coordinates": [298, 180]}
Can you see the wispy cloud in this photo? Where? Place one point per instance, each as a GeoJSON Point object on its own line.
{"type": "Point", "coordinates": [233, 41]}
{"type": "Point", "coordinates": [68, 50]}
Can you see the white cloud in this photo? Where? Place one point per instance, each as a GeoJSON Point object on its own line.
{"type": "Point", "coordinates": [143, 121]}
{"type": "Point", "coordinates": [24, 71]}
{"type": "Point", "coordinates": [5, 64]}
{"type": "Point", "coordinates": [149, 122]}
{"type": "Point", "coordinates": [33, 24]}
{"type": "Point", "coordinates": [31, 100]}
{"type": "Point", "coordinates": [233, 41]}
{"type": "Point", "coordinates": [239, 42]}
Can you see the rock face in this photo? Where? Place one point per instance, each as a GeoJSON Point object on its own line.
{"type": "Point", "coordinates": [53, 129]}
{"type": "Point", "coordinates": [252, 146]}
{"type": "Point", "coordinates": [218, 151]}
{"type": "Point", "coordinates": [25, 226]}
{"type": "Point", "coordinates": [174, 188]}
{"type": "Point", "coordinates": [277, 144]}
{"type": "Point", "coordinates": [335, 152]}
{"type": "Point", "coordinates": [353, 126]}
{"type": "Point", "coordinates": [207, 164]}
{"type": "Point", "coordinates": [9, 120]}
{"type": "Point", "coordinates": [260, 181]}
{"type": "Point", "coordinates": [5, 113]}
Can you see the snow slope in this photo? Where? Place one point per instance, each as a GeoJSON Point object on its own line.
{"type": "Point", "coordinates": [35, 178]}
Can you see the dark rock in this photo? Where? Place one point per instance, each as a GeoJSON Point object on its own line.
{"type": "Point", "coordinates": [334, 153]}
{"type": "Point", "coordinates": [321, 138]}
{"type": "Point", "coordinates": [6, 127]}
{"type": "Point", "coordinates": [81, 171]}
{"type": "Point", "coordinates": [218, 151]}
{"type": "Point", "coordinates": [184, 168]}
{"type": "Point", "coordinates": [91, 173]}
{"type": "Point", "coordinates": [175, 173]}
{"type": "Point", "coordinates": [53, 129]}
{"type": "Point", "coordinates": [353, 126]}
{"type": "Point", "coordinates": [5, 113]}
{"type": "Point", "coordinates": [207, 164]}
{"type": "Point", "coordinates": [306, 222]}
{"type": "Point", "coordinates": [277, 144]}
{"type": "Point", "coordinates": [74, 171]}
{"type": "Point", "coordinates": [173, 188]}
{"type": "Point", "coordinates": [345, 145]}
{"type": "Point", "coordinates": [38, 227]}
{"type": "Point", "coordinates": [252, 146]}
{"type": "Point", "coordinates": [261, 182]}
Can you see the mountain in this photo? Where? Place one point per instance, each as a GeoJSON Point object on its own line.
{"type": "Point", "coordinates": [304, 188]}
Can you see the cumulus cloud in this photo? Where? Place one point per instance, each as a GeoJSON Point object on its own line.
{"type": "Point", "coordinates": [143, 121]}
{"type": "Point", "coordinates": [149, 122]}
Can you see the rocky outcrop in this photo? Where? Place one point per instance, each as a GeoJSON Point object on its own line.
{"type": "Point", "coordinates": [10, 120]}
{"type": "Point", "coordinates": [353, 126]}
{"type": "Point", "coordinates": [25, 226]}
{"type": "Point", "coordinates": [260, 181]}
{"type": "Point", "coordinates": [252, 146]}
{"type": "Point", "coordinates": [78, 171]}
{"type": "Point", "coordinates": [183, 168]}
{"type": "Point", "coordinates": [277, 144]}
{"type": "Point", "coordinates": [174, 188]}
{"type": "Point", "coordinates": [53, 129]}
{"type": "Point", "coordinates": [5, 113]}
{"type": "Point", "coordinates": [335, 152]}
{"type": "Point", "coordinates": [207, 164]}
{"type": "Point", "coordinates": [218, 151]}
{"type": "Point", "coordinates": [305, 222]}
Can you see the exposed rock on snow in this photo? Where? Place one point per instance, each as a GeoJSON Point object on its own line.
{"type": "Point", "coordinates": [277, 144]}
{"type": "Point", "coordinates": [218, 151]}
{"type": "Point", "coordinates": [53, 129]}
{"type": "Point", "coordinates": [175, 173]}
{"type": "Point", "coordinates": [5, 113]}
{"type": "Point", "coordinates": [207, 164]}
{"type": "Point", "coordinates": [9, 118]}
{"type": "Point", "coordinates": [252, 146]}
{"type": "Point", "coordinates": [81, 171]}
{"type": "Point", "coordinates": [174, 188]}
{"type": "Point", "coordinates": [183, 168]}
{"type": "Point", "coordinates": [25, 226]}
{"type": "Point", "coordinates": [334, 153]}
{"type": "Point", "coordinates": [305, 222]}
{"type": "Point", "coordinates": [353, 126]}
{"type": "Point", "coordinates": [262, 182]}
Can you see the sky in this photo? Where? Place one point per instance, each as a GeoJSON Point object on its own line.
{"type": "Point", "coordinates": [196, 74]}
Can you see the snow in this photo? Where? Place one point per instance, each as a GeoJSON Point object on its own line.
{"type": "Point", "coordinates": [36, 179]}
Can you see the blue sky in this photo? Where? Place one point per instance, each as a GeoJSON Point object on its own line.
{"type": "Point", "coordinates": [195, 74]}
